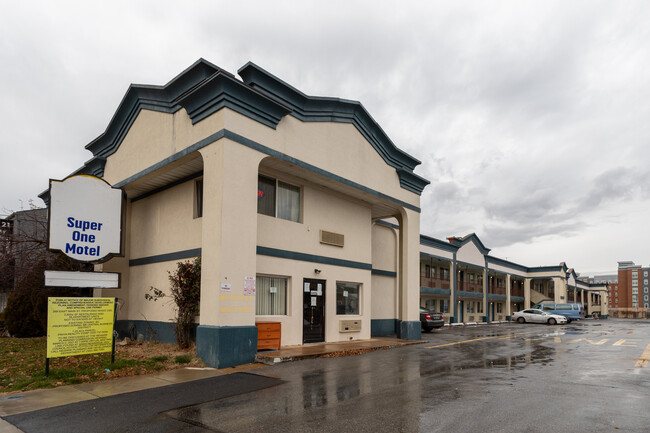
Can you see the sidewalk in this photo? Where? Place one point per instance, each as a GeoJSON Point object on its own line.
{"type": "Point", "coordinates": [16, 403]}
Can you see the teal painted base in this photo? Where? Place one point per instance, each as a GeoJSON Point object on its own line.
{"type": "Point", "coordinates": [485, 318]}
{"type": "Point", "coordinates": [410, 330]}
{"type": "Point", "coordinates": [452, 320]}
{"type": "Point", "coordinates": [226, 346]}
{"type": "Point", "coordinates": [507, 318]}
{"type": "Point", "coordinates": [383, 327]}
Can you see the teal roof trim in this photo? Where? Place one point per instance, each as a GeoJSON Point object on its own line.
{"type": "Point", "coordinates": [322, 109]}
{"type": "Point", "coordinates": [204, 88]}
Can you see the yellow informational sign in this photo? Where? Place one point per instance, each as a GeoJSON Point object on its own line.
{"type": "Point", "coordinates": [78, 326]}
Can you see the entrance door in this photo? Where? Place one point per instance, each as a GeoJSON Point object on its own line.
{"type": "Point", "coordinates": [313, 311]}
{"type": "Point", "coordinates": [493, 315]}
{"type": "Point", "coordinates": [461, 311]}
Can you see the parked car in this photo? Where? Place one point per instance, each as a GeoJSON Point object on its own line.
{"type": "Point", "coordinates": [572, 311]}
{"type": "Point", "coordinates": [430, 320]}
{"type": "Point", "coordinates": [533, 315]}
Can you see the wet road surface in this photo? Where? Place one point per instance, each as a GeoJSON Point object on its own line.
{"type": "Point", "coordinates": [583, 376]}
{"type": "Point", "coordinates": [586, 376]}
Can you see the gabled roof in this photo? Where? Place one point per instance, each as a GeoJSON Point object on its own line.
{"type": "Point", "coordinates": [204, 88]}
{"type": "Point", "coordinates": [437, 243]}
{"type": "Point", "coordinates": [472, 237]}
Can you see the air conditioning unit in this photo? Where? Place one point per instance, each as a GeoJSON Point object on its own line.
{"type": "Point", "coordinates": [349, 325]}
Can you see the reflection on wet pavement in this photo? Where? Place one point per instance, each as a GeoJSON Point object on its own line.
{"type": "Point", "coordinates": [404, 389]}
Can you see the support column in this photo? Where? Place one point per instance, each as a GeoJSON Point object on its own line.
{"type": "Point", "coordinates": [227, 335]}
{"type": "Point", "coordinates": [527, 293]}
{"type": "Point", "coordinates": [486, 289]}
{"type": "Point", "coordinates": [560, 288]}
{"type": "Point", "coordinates": [453, 307]}
{"type": "Point", "coordinates": [508, 295]}
{"type": "Point", "coordinates": [409, 275]}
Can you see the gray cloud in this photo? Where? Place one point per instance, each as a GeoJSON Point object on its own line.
{"type": "Point", "coordinates": [530, 118]}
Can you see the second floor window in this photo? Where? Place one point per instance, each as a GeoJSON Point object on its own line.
{"type": "Point", "coordinates": [278, 199]}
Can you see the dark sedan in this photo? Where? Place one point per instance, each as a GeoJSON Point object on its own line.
{"type": "Point", "coordinates": [430, 320]}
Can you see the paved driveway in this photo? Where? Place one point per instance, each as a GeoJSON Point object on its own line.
{"type": "Point", "coordinates": [585, 376]}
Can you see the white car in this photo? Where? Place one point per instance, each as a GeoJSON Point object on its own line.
{"type": "Point", "coordinates": [537, 316]}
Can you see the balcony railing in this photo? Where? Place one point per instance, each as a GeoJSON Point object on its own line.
{"type": "Point", "coordinates": [517, 292]}
{"type": "Point", "coordinates": [434, 283]}
{"type": "Point", "coordinates": [497, 290]}
{"type": "Point", "coordinates": [466, 286]}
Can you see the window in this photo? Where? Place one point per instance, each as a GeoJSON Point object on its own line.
{"type": "Point", "coordinates": [444, 272]}
{"type": "Point", "coordinates": [444, 306]}
{"type": "Point", "coordinates": [471, 278]}
{"type": "Point", "coordinates": [430, 304]}
{"type": "Point", "coordinates": [347, 298]}
{"type": "Point", "coordinates": [470, 307]}
{"type": "Point", "coordinates": [278, 199]}
{"type": "Point", "coordinates": [645, 298]}
{"type": "Point", "coordinates": [645, 273]}
{"type": "Point", "coordinates": [270, 296]}
{"type": "Point", "coordinates": [198, 198]}
{"type": "Point", "coordinates": [499, 308]}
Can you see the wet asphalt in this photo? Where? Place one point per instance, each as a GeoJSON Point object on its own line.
{"type": "Point", "coordinates": [584, 376]}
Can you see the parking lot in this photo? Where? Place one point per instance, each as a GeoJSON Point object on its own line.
{"type": "Point", "coordinates": [585, 376]}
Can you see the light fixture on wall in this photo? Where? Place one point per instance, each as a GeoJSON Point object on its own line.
{"type": "Point", "coordinates": [317, 271]}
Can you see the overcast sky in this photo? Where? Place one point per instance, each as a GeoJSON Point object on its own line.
{"type": "Point", "coordinates": [531, 119]}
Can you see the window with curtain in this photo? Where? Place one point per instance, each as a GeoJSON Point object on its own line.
{"type": "Point", "coordinates": [278, 199]}
{"type": "Point", "coordinates": [444, 306]}
{"type": "Point", "coordinates": [270, 296]}
{"type": "Point", "coordinates": [348, 296]}
{"type": "Point", "coordinates": [479, 307]}
{"type": "Point", "coordinates": [288, 202]}
{"type": "Point", "coordinates": [266, 195]}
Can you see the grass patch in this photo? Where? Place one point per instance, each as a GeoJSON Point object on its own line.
{"type": "Point", "coordinates": [159, 358]}
{"type": "Point", "coordinates": [22, 364]}
{"type": "Point", "coordinates": [182, 359]}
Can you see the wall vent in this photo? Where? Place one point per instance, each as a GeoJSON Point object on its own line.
{"type": "Point", "coordinates": [349, 325]}
{"type": "Point", "coordinates": [331, 238]}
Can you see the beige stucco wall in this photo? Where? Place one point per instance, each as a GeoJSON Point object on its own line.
{"type": "Point", "coordinates": [336, 147]}
{"type": "Point", "coordinates": [506, 270]}
{"type": "Point", "coordinates": [384, 257]}
{"type": "Point", "coordinates": [384, 248]}
{"type": "Point", "coordinates": [469, 253]}
{"type": "Point", "coordinates": [231, 229]}
{"type": "Point", "coordinates": [165, 223]}
{"type": "Point", "coordinates": [322, 210]}
{"type": "Point", "coordinates": [296, 271]}
{"type": "Point", "coordinates": [436, 252]}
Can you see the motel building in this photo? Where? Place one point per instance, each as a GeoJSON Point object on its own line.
{"type": "Point", "coordinates": [279, 193]}
{"type": "Point", "coordinates": [305, 215]}
{"type": "Point", "coordinates": [487, 289]}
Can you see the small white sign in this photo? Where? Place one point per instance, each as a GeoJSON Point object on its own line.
{"type": "Point", "coordinates": [96, 280]}
{"type": "Point", "coordinates": [85, 221]}
{"type": "Point", "coordinates": [225, 287]}
{"type": "Point", "coordinates": [306, 287]}
{"type": "Point", "coordinates": [314, 293]}
{"type": "Point", "coordinates": [319, 292]}
{"type": "Point", "coordinates": [274, 290]}
{"type": "Point", "coordinates": [314, 301]}
{"type": "Point", "coordinates": [249, 286]}
{"type": "Point", "coordinates": [319, 286]}
{"type": "Point", "coordinates": [345, 293]}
